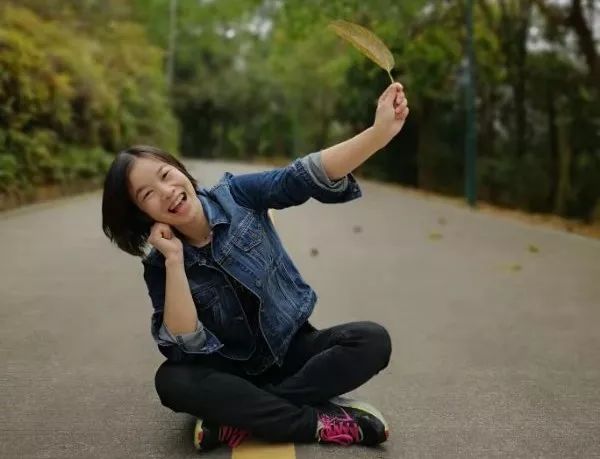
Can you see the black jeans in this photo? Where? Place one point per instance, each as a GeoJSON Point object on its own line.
{"type": "Point", "coordinates": [278, 405]}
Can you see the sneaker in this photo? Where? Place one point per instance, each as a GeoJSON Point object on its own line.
{"type": "Point", "coordinates": [347, 421]}
{"type": "Point", "coordinates": [207, 437]}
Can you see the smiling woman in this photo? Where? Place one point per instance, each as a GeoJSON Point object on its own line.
{"type": "Point", "coordinates": [230, 308]}
{"type": "Point", "coordinates": [132, 200]}
{"type": "Point", "coordinates": [231, 311]}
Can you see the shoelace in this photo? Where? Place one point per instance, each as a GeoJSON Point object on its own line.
{"type": "Point", "coordinates": [340, 430]}
{"type": "Point", "coordinates": [232, 435]}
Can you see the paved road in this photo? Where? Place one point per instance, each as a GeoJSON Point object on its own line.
{"type": "Point", "coordinates": [496, 348]}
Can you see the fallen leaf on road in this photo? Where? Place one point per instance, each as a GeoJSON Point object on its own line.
{"type": "Point", "coordinates": [357, 228]}
{"type": "Point", "coordinates": [533, 248]}
{"type": "Point", "coordinates": [314, 252]}
{"type": "Point", "coordinates": [515, 267]}
{"type": "Point", "coordinates": [435, 236]}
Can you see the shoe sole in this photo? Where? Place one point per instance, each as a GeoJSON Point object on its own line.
{"type": "Point", "coordinates": [364, 406]}
{"type": "Point", "coordinates": [198, 434]}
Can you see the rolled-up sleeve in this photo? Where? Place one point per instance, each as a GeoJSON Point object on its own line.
{"type": "Point", "coordinates": [174, 347]}
{"type": "Point", "coordinates": [192, 342]}
{"type": "Point", "coordinates": [314, 166]}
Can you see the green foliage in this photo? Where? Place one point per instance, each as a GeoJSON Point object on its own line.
{"type": "Point", "coordinates": [267, 78]}
{"type": "Point", "coordinates": [67, 97]}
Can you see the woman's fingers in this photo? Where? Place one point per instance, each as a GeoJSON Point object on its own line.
{"type": "Point", "coordinates": [392, 89]}
{"type": "Point", "coordinates": [401, 111]}
{"type": "Point", "coordinates": [400, 108]}
{"type": "Point", "coordinates": [403, 114]}
{"type": "Point", "coordinates": [163, 239]}
{"type": "Point", "coordinates": [400, 96]}
{"type": "Point", "coordinates": [160, 230]}
{"type": "Point", "coordinates": [166, 232]}
{"type": "Point", "coordinates": [401, 104]}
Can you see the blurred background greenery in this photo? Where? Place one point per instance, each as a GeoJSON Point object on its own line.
{"type": "Point", "coordinates": [248, 79]}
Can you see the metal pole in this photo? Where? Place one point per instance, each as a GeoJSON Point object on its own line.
{"type": "Point", "coordinates": [172, 43]}
{"type": "Point", "coordinates": [470, 137]}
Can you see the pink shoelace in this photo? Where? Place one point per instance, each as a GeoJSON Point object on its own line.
{"type": "Point", "coordinates": [340, 430]}
{"type": "Point", "coordinates": [232, 435]}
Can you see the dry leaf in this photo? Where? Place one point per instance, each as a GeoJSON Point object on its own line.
{"type": "Point", "coordinates": [533, 248]}
{"type": "Point", "coordinates": [515, 267]}
{"type": "Point", "coordinates": [366, 42]}
{"type": "Point", "coordinates": [314, 252]}
{"type": "Point", "coordinates": [435, 236]}
{"type": "Point", "coordinates": [357, 228]}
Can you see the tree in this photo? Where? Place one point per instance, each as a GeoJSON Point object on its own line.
{"type": "Point", "coordinates": [573, 17]}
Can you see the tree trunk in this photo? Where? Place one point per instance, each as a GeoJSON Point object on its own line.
{"type": "Point", "coordinates": [521, 62]}
{"type": "Point", "coordinates": [553, 145]}
{"type": "Point", "coordinates": [513, 35]}
{"type": "Point", "coordinates": [424, 149]}
{"type": "Point", "coordinates": [486, 136]}
{"type": "Point", "coordinates": [564, 167]}
{"type": "Point", "coordinates": [585, 39]}
{"type": "Point", "coordinates": [223, 128]}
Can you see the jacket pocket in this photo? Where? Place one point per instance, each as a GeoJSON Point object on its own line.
{"type": "Point", "coordinates": [205, 296]}
{"type": "Point", "coordinates": [249, 234]}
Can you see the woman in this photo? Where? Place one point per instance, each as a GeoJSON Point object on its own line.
{"type": "Point", "coordinates": [230, 308]}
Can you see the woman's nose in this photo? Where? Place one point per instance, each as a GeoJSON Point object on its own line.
{"type": "Point", "coordinates": [167, 192]}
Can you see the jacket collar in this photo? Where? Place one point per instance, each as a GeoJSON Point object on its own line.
{"type": "Point", "coordinates": [214, 214]}
{"type": "Point", "coordinates": [212, 210]}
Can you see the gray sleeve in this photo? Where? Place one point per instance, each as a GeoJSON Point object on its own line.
{"type": "Point", "coordinates": [188, 342]}
{"type": "Point", "coordinates": [314, 166]}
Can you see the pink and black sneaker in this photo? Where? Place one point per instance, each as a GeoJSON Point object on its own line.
{"type": "Point", "coordinates": [207, 437]}
{"type": "Point", "coordinates": [346, 421]}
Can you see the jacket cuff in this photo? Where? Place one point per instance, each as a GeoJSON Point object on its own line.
{"type": "Point", "coordinates": [189, 342]}
{"type": "Point", "coordinates": [309, 169]}
{"type": "Point", "coordinates": [315, 169]}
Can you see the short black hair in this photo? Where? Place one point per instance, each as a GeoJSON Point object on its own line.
{"type": "Point", "coordinates": [122, 221]}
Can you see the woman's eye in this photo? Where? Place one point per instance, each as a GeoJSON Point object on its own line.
{"type": "Point", "coordinates": [147, 194]}
{"type": "Point", "coordinates": [165, 175]}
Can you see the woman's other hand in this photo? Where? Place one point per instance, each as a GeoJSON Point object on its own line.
{"type": "Point", "coordinates": [162, 238]}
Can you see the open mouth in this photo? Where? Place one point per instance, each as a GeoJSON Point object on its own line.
{"type": "Point", "coordinates": [178, 203]}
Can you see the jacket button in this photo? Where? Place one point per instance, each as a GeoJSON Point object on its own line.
{"type": "Point", "coordinates": [258, 283]}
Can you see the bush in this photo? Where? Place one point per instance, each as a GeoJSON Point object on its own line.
{"type": "Point", "coordinates": [68, 97]}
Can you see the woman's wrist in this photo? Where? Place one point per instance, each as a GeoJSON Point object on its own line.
{"type": "Point", "coordinates": [378, 138]}
{"type": "Point", "coordinates": [173, 260]}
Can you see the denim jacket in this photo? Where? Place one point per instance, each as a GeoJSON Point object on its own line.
{"type": "Point", "coordinates": [246, 245]}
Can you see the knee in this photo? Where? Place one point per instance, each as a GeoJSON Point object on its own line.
{"type": "Point", "coordinates": [379, 344]}
{"type": "Point", "coordinates": [166, 384]}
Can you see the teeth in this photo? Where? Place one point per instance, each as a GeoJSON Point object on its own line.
{"type": "Point", "coordinates": [179, 199]}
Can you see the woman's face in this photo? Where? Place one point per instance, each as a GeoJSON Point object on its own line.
{"type": "Point", "coordinates": [162, 192]}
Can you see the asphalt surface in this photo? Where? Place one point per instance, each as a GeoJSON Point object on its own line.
{"type": "Point", "coordinates": [495, 327]}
